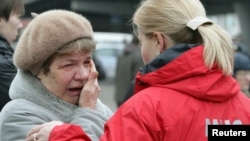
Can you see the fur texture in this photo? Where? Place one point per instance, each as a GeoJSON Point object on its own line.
{"type": "Point", "coordinates": [45, 34]}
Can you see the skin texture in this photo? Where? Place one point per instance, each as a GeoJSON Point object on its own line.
{"type": "Point", "coordinates": [148, 48]}
{"type": "Point", "coordinates": [152, 46]}
{"type": "Point", "coordinates": [43, 129]}
{"type": "Point", "coordinates": [9, 29]}
{"type": "Point", "coordinates": [68, 74]}
{"type": "Point", "coordinates": [88, 97]}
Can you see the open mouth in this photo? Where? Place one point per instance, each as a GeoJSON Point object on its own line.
{"type": "Point", "coordinates": [75, 91]}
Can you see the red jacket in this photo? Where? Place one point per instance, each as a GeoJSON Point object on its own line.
{"type": "Point", "coordinates": [176, 98]}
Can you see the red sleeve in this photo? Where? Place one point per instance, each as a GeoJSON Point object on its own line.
{"type": "Point", "coordinates": [68, 132]}
{"type": "Point", "coordinates": [130, 124]}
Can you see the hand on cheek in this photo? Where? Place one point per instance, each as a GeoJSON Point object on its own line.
{"type": "Point", "coordinates": [91, 89]}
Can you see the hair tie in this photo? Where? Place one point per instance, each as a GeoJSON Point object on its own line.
{"type": "Point", "coordinates": [197, 21]}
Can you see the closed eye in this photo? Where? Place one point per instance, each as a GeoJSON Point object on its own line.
{"type": "Point", "coordinates": [67, 65]}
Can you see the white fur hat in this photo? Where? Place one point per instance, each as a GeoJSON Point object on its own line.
{"type": "Point", "coordinates": [45, 34]}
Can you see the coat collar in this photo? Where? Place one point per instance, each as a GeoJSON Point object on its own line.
{"type": "Point", "coordinates": [166, 57]}
{"type": "Point", "coordinates": [182, 69]}
{"type": "Point", "coordinates": [27, 86]}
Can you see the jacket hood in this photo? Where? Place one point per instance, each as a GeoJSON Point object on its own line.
{"type": "Point", "coordinates": [182, 68]}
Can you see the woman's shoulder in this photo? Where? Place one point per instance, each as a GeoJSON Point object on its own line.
{"type": "Point", "coordinates": [23, 107]}
{"type": "Point", "coordinates": [18, 105]}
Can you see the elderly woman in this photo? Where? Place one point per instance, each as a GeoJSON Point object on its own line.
{"type": "Point", "coordinates": [55, 69]}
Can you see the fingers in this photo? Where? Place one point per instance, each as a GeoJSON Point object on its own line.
{"type": "Point", "coordinates": [92, 66]}
{"type": "Point", "coordinates": [32, 137]}
{"type": "Point", "coordinates": [36, 129]}
{"type": "Point", "coordinates": [41, 132]}
{"type": "Point", "coordinates": [93, 72]}
{"type": "Point", "coordinates": [91, 89]}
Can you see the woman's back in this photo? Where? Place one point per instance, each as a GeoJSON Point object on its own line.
{"type": "Point", "coordinates": [182, 106]}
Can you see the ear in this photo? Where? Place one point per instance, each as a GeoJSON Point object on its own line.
{"type": "Point", "coordinates": [39, 75]}
{"type": "Point", "coordinates": [160, 41]}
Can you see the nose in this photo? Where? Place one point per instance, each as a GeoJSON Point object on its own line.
{"type": "Point", "coordinates": [20, 25]}
{"type": "Point", "coordinates": [82, 73]}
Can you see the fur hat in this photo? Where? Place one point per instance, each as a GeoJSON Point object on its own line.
{"type": "Point", "coordinates": [45, 34]}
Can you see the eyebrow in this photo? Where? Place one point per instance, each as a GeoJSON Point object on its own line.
{"type": "Point", "coordinates": [72, 58]}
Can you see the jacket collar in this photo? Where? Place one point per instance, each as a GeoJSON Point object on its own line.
{"type": "Point", "coordinates": [166, 57]}
{"type": "Point", "coordinates": [181, 68]}
{"type": "Point", "coordinates": [26, 86]}
{"type": "Point", "coordinates": [4, 40]}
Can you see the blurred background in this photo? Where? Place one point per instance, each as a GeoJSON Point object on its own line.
{"type": "Point", "coordinates": [111, 22]}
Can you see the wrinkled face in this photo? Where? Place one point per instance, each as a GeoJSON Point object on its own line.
{"type": "Point", "coordinates": [148, 47]}
{"type": "Point", "coordinates": [243, 78]}
{"type": "Point", "coordinates": [9, 29]}
{"type": "Point", "coordinates": [67, 76]}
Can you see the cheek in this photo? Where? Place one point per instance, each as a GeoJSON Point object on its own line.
{"type": "Point", "coordinates": [144, 55]}
{"type": "Point", "coordinates": [63, 78]}
{"type": "Point", "coordinates": [15, 20]}
{"type": "Point", "coordinates": [147, 53]}
{"type": "Point", "coordinates": [59, 80]}
{"type": "Point", "coordinates": [58, 85]}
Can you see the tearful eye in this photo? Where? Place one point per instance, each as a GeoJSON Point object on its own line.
{"type": "Point", "coordinates": [86, 62]}
{"type": "Point", "coordinates": [67, 65]}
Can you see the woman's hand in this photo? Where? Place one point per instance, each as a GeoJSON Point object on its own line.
{"type": "Point", "coordinates": [42, 132]}
{"type": "Point", "coordinates": [91, 89]}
